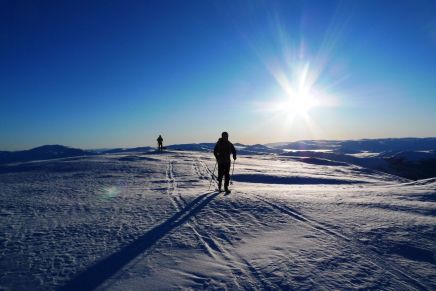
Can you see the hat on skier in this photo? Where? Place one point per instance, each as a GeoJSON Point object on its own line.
{"type": "Point", "coordinates": [225, 134]}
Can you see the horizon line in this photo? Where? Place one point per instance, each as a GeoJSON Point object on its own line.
{"type": "Point", "coordinates": [173, 144]}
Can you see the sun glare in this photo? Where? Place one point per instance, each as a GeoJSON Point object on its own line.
{"type": "Point", "coordinates": [300, 94]}
{"type": "Point", "coordinates": [300, 104]}
{"type": "Point", "coordinates": [303, 81]}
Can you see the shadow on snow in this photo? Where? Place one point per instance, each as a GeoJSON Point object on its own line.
{"type": "Point", "coordinates": [269, 179]}
{"type": "Point", "coordinates": [104, 269]}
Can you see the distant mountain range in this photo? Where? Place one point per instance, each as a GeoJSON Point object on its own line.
{"type": "Point", "coordinates": [412, 158]}
{"type": "Point", "coordinates": [48, 152]}
{"type": "Point", "coordinates": [41, 153]}
{"type": "Point", "coordinates": [363, 145]}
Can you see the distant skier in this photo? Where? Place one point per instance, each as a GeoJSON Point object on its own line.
{"type": "Point", "coordinates": [223, 149]}
{"type": "Point", "coordinates": [160, 143]}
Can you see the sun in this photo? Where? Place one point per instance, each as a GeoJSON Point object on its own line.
{"type": "Point", "coordinates": [302, 84]}
{"type": "Point", "coordinates": [297, 95]}
{"type": "Point", "coordinates": [300, 103]}
{"type": "Point", "coordinates": [301, 96]}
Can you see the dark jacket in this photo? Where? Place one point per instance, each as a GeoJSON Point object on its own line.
{"type": "Point", "coordinates": [223, 149]}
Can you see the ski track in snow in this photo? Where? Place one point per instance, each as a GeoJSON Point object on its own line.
{"type": "Point", "coordinates": [396, 272]}
{"type": "Point", "coordinates": [215, 248]}
{"type": "Point", "coordinates": [148, 221]}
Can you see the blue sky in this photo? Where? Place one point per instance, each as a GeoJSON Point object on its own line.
{"type": "Point", "coordinates": [95, 74]}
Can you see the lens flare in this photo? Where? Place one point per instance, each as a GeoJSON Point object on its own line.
{"type": "Point", "coordinates": [110, 192]}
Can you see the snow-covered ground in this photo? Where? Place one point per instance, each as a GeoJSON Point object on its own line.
{"type": "Point", "coordinates": [135, 221]}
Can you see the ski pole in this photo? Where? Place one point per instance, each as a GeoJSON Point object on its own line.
{"type": "Point", "coordinates": [233, 169]}
{"type": "Point", "coordinates": [212, 176]}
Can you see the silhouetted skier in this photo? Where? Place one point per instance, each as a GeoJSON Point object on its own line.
{"type": "Point", "coordinates": [223, 149]}
{"type": "Point", "coordinates": [159, 143]}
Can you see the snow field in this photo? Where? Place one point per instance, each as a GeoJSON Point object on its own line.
{"type": "Point", "coordinates": [148, 221]}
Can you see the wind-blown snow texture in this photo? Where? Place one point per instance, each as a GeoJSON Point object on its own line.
{"type": "Point", "coordinates": [136, 221]}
